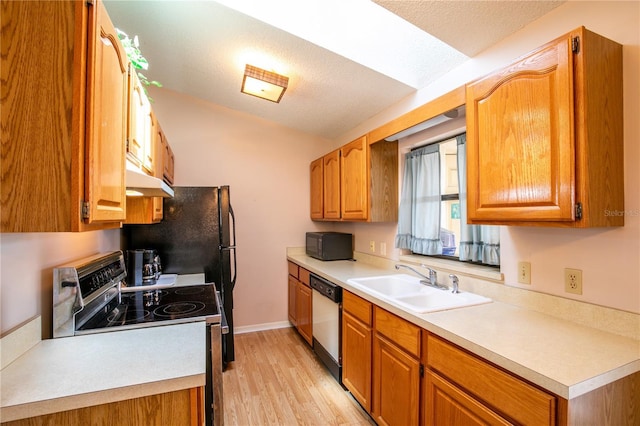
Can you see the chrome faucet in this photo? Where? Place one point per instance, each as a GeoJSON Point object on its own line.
{"type": "Point", "coordinates": [431, 280]}
{"type": "Point", "coordinates": [454, 283]}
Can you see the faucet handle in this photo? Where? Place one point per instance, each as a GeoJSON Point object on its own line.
{"type": "Point", "coordinates": [454, 283]}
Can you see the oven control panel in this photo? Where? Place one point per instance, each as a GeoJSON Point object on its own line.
{"type": "Point", "coordinates": [76, 285]}
{"type": "Point", "coordinates": [105, 276]}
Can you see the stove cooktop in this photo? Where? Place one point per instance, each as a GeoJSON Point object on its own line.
{"type": "Point", "coordinates": [156, 307]}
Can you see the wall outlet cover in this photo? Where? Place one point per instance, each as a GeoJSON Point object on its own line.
{"type": "Point", "coordinates": [573, 281]}
{"type": "Point", "coordinates": [524, 272]}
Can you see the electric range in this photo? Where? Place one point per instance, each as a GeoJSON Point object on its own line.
{"type": "Point", "coordinates": [89, 297]}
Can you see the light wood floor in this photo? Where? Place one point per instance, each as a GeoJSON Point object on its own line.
{"type": "Point", "coordinates": [276, 379]}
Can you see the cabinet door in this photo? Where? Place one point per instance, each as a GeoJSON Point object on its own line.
{"type": "Point", "coordinates": [156, 166]}
{"type": "Point", "coordinates": [147, 210]}
{"type": "Point", "coordinates": [316, 176]}
{"type": "Point", "coordinates": [520, 140]}
{"type": "Point", "coordinates": [137, 120]}
{"type": "Point", "coordinates": [354, 180]}
{"type": "Point", "coordinates": [148, 161]}
{"type": "Point", "coordinates": [495, 388]}
{"type": "Point", "coordinates": [303, 312]}
{"type": "Point", "coordinates": [356, 359]}
{"type": "Point", "coordinates": [445, 404]}
{"type": "Point", "coordinates": [106, 121]}
{"type": "Point", "coordinates": [331, 185]}
{"type": "Point", "coordinates": [293, 290]}
{"type": "Point", "coordinates": [168, 160]}
{"type": "Point", "coordinates": [396, 385]}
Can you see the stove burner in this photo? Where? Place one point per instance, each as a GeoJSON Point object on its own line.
{"type": "Point", "coordinates": [178, 309]}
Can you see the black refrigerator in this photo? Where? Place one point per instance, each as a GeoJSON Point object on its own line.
{"type": "Point", "coordinates": [196, 235]}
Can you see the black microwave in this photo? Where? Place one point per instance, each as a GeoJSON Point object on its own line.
{"type": "Point", "coordinates": [330, 245]}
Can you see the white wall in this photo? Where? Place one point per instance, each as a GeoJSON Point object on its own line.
{"type": "Point", "coordinates": [267, 168]}
{"type": "Point", "coordinates": [26, 265]}
{"type": "Point", "coordinates": [609, 258]}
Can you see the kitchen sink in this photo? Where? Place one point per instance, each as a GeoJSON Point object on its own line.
{"type": "Point", "coordinates": [439, 300]}
{"type": "Point", "coordinates": [391, 285]}
{"type": "Point", "coordinates": [407, 292]}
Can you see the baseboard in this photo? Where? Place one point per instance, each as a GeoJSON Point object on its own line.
{"type": "Point", "coordinates": [261, 327]}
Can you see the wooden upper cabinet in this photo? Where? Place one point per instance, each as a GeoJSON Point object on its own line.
{"type": "Point", "coordinates": [316, 172]}
{"type": "Point", "coordinates": [63, 118]}
{"type": "Point", "coordinates": [106, 121]}
{"type": "Point", "coordinates": [359, 183]}
{"type": "Point", "coordinates": [168, 159]}
{"type": "Point", "coordinates": [544, 137]}
{"type": "Point", "coordinates": [141, 126]}
{"type": "Point", "coordinates": [331, 185]}
{"type": "Point", "coordinates": [354, 199]}
{"type": "Point", "coordinates": [147, 210]}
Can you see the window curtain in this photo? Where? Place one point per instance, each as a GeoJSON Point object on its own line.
{"type": "Point", "coordinates": [478, 243]}
{"type": "Point", "coordinates": [419, 214]}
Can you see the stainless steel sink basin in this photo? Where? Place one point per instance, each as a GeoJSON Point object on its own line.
{"type": "Point", "coordinates": [407, 292]}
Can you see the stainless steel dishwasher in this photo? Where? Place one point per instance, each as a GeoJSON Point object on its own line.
{"type": "Point", "coordinates": [327, 310]}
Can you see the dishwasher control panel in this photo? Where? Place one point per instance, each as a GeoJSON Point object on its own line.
{"type": "Point", "coordinates": [326, 288]}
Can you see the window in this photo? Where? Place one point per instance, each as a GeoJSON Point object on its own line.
{"type": "Point", "coordinates": [432, 219]}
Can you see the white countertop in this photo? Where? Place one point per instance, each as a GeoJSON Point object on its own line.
{"type": "Point", "coordinates": [75, 372]}
{"type": "Point", "coordinates": [565, 358]}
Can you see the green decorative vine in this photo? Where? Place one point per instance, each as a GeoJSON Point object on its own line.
{"type": "Point", "coordinates": [132, 48]}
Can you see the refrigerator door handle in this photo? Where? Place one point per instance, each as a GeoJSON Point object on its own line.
{"type": "Point", "coordinates": [233, 246]}
{"type": "Point", "coordinates": [231, 249]}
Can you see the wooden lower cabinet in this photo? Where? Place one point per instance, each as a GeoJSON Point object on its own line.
{"type": "Point", "coordinates": [445, 404]}
{"type": "Point", "coordinates": [356, 358]}
{"type": "Point", "coordinates": [404, 375]}
{"type": "Point", "coordinates": [303, 312]}
{"type": "Point", "coordinates": [184, 407]}
{"type": "Point", "coordinates": [396, 370]}
{"type": "Point", "coordinates": [396, 385]}
{"type": "Point", "coordinates": [482, 390]}
{"type": "Point", "coordinates": [300, 302]}
{"type": "Point", "coordinates": [293, 290]}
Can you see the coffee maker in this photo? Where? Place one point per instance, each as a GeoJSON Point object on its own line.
{"type": "Point", "coordinates": [143, 267]}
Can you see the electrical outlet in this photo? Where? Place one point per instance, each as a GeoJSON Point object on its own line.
{"type": "Point", "coordinates": [573, 281]}
{"type": "Point", "coordinates": [524, 272]}
{"type": "Point", "coordinates": [372, 246]}
{"type": "Point", "coordinates": [383, 248]}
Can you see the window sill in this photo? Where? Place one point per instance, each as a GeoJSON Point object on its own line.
{"type": "Point", "coordinates": [453, 266]}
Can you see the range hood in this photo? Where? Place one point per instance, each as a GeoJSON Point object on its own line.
{"type": "Point", "coordinates": [141, 184]}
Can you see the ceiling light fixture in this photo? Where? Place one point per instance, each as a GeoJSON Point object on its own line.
{"type": "Point", "coordinates": [264, 84]}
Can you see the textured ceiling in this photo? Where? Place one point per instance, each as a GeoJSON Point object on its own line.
{"type": "Point", "coordinates": [470, 26]}
{"type": "Point", "coordinates": [200, 48]}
